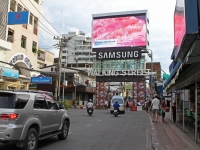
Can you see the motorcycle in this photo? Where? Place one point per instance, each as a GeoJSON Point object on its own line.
{"type": "Point", "coordinates": [90, 111]}
{"type": "Point", "coordinates": [115, 112]}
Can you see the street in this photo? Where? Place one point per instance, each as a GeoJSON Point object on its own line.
{"type": "Point", "coordinates": [101, 131]}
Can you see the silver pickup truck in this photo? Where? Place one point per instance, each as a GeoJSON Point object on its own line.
{"type": "Point", "coordinates": [27, 117]}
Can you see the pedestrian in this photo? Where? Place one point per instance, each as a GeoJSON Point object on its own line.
{"type": "Point", "coordinates": [146, 105]}
{"type": "Point", "coordinates": [155, 107]}
{"type": "Point", "coordinates": [163, 109]}
{"type": "Point", "coordinates": [174, 112]}
{"type": "Point", "coordinates": [106, 104]}
{"type": "Point", "coordinates": [127, 105]}
{"type": "Point", "coordinates": [130, 103]}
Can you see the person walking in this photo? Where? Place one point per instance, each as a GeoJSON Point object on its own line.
{"type": "Point", "coordinates": [127, 105]}
{"type": "Point", "coordinates": [163, 109]}
{"type": "Point", "coordinates": [146, 105]}
{"type": "Point", "coordinates": [106, 104]}
{"type": "Point", "coordinates": [174, 112]}
{"type": "Point", "coordinates": [130, 103]}
{"type": "Point", "coordinates": [155, 108]}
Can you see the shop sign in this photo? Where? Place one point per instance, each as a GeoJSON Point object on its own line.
{"type": "Point", "coordinates": [21, 58]}
{"type": "Point", "coordinates": [7, 72]}
{"type": "Point", "coordinates": [137, 72]}
{"type": "Point", "coordinates": [18, 17]}
{"type": "Point", "coordinates": [118, 55]}
{"type": "Point", "coordinates": [41, 79]}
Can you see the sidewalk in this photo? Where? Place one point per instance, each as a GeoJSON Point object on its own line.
{"type": "Point", "coordinates": [166, 136]}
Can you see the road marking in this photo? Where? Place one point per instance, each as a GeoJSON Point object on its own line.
{"type": "Point", "coordinates": [88, 125]}
{"type": "Point", "coordinates": [99, 120]}
{"type": "Point", "coordinates": [69, 132]}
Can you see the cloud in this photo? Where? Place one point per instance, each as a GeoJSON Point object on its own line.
{"type": "Point", "coordinates": [77, 16]}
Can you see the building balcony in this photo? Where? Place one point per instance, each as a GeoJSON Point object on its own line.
{"type": "Point", "coordinates": [5, 45]}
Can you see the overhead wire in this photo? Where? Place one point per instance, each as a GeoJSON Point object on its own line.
{"type": "Point", "coordinates": [44, 17]}
{"type": "Point", "coordinates": [40, 22]}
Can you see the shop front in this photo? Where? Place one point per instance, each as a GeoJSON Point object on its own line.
{"type": "Point", "coordinates": [17, 74]}
{"type": "Point", "coordinates": [184, 80]}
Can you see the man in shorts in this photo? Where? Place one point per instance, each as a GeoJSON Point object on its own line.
{"type": "Point", "coordinates": [155, 104]}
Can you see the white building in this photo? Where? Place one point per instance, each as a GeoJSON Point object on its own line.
{"type": "Point", "coordinates": [19, 45]}
{"type": "Point", "coordinates": [80, 46]}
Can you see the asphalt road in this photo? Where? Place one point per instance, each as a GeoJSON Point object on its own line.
{"type": "Point", "coordinates": [101, 131]}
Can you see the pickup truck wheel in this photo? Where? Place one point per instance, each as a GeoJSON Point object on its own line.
{"type": "Point", "coordinates": [31, 140]}
{"type": "Point", "coordinates": [64, 130]}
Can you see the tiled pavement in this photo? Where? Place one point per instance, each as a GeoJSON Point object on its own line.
{"type": "Point", "coordinates": [166, 136]}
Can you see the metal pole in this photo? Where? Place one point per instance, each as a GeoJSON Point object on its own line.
{"type": "Point", "coordinates": [64, 86]}
{"type": "Point", "coordinates": [151, 72]}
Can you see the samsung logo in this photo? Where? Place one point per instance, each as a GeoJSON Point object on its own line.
{"type": "Point", "coordinates": [136, 54]}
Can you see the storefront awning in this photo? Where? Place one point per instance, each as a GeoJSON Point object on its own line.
{"type": "Point", "coordinates": [172, 74]}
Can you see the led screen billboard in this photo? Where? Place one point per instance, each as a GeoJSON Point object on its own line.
{"type": "Point", "coordinates": [119, 31]}
{"type": "Point", "coordinates": [179, 24]}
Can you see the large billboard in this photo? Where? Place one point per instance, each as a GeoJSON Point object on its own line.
{"type": "Point", "coordinates": [179, 25]}
{"type": "Point", "coordinates": [119, 31]}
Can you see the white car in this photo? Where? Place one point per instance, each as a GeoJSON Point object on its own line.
{"type": "Point", "coordinates": [121, 102]}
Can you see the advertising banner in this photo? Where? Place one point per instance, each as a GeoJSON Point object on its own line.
{"type": "Point", "coordinates": [179, 25]}
{"type": "Point", "coordinates": [119, 31]}
{"type": "Point", "coordinates": [139, 92]}
{"type": "Point", "coordinates": [41, 79]}
{"type": "Point", "coordinates": [7, 72]}
{"type": "Point", "coordinates": [18, 17]}
{"type": "Point", "coordinates": [100, 93]}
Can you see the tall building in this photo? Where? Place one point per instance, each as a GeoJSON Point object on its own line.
{"type": "Point", "coordinates": [19, 44]}
{"type": "Point", "coordinates": [78, 52]}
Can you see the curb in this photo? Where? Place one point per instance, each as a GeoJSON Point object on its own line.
{"type": "Point", "coordinates": [184, 137]}
{"type": "Point", "coordinates": [154, 140]}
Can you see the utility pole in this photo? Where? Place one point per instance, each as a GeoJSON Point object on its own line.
{"type": "Point", "coordinates": [56, 93]}
{"type": "Point", "coordinates": [62, 44]}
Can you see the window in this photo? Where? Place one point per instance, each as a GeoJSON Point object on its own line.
{"type": "Point", "coordinates": [40, 104]}
{"type": "Point", "coordinates": [19, 8]}
{"type": "Point", "coordinates": [64, 51]}
{"type": "Point", "coordinates": [31, 19]}
{"type": "Point", "coordinates": [78, 43]}
{"type": "Point", "coordinates": [12, 101]}
{"type": "Point", "coordinates": [35, 28]}
{"type": "Point", "coordinates": [52, 105]}
{"type": "Point", "coordinates": [23, 41]}
{"type": "Point", "coordinates": [21, 101]}
{"type": "Point", "coordinates": [34, 47]}
{"type": "Point", "coordinates": [10, 35]}
{"type": "Point", "coordinates": [63, 57]}
{"type": "Point", "coordinates": [25, 25]}
{"type": "Point", "coordinates": [51, 69]}
{"type": "Point", "coordinates": [12, 6]}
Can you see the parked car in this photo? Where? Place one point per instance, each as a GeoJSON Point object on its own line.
{"type": "Point", "coordinates": [29, 116]}
{"type": "Point", "coordinates": [121, 102]}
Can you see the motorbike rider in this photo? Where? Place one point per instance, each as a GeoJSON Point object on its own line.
{"type": "Point", "coordinates": [116, 105]}
{"type": "Point", "coordinates": [90, 105]}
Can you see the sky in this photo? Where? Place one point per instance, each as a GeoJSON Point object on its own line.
{"type": "Point", "coordinates": [76, 15]}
